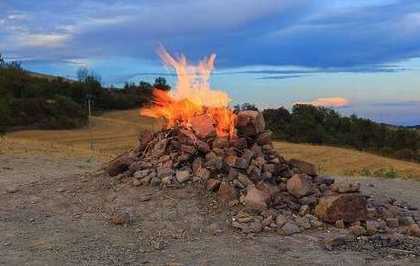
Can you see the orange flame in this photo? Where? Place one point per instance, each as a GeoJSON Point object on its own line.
{"type": "Point", "coordinates": [192, 97]}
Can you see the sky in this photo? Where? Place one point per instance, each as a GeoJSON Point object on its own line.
{"type": "Point", "coordinates": [356, 56]}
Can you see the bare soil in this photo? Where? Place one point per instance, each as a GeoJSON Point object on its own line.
{"type": "Point", "coordinates": [57, 212]}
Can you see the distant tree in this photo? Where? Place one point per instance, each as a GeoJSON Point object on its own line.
{"type": "Point", "coordinates": [245, 107]}
{"type": "Point", "coordinates": [82, 74]}
{"type": "Point", "coordinates": [161, 84]}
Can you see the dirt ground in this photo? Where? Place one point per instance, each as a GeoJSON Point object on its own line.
{"type": "Point", "coordinates": [56, 211]}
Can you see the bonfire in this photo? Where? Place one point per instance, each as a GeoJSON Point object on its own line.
{"type": "Point", "coordinates": [204, 141]}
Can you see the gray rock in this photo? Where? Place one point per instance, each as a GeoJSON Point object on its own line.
{"type": "Point", "coordinates": [290, 228]}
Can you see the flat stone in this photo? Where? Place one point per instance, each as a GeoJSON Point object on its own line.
{"type": "Point", "coordinates": [203, 146]}
{"type": "Point", "coordinates": [348, 207]}
{"type": "Point", "coordinates": [183, 176]}
{"type": "Point", "coordinates": [299, 185]}
{"type": "Point", "coordinates": [290, 228]}
{"type": "Point", "coordinates": [164, 171]}
{"type": "Point", "coordinates": [141, 173]}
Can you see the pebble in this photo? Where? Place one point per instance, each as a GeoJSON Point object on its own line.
{"type": "Point", "coordinates": [290, 228]}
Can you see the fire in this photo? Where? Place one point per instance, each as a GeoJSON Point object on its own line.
{"type": "Point", "coordinates": [192, 97]}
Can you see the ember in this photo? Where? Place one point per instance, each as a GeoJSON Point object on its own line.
{"type": "Point", "coordinates": [233, 156]}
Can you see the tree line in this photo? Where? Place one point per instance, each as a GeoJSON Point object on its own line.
{"type": "Point", "coordinates": [28, 100]}
{"type": "Point", "coordinates": [320, 125]}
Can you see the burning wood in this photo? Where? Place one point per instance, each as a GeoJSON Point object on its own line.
{"type": "Point", "coordinates": [234, 157]}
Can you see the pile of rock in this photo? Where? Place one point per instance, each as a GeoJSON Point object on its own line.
{"type": "Point", "coordinates": [266, 191]}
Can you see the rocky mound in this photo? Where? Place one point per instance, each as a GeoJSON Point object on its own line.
{"type": "Point", "coordinates": [266, 191]}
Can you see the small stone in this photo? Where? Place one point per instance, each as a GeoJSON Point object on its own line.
{"type": "Point", "coordinates": [305, 167]}
{"type": "Point", "coordinates": [196, 165]}
{"type": "Point", "coordinates": [372, 227]}
{"type": "Point", "coordinates": [141, 173]}
{"type": "Point", "coordinates": [392, 222]}
{"type": "Point", "coordinates": [61, 189]}
{"type": "Point", "coordinates": [203, 173]}
{"type": "Point", "coordinates": [203, 146]}
{"type": "Point", "coordinates": [406, 220]}
{"type": "Point", "coordinates": [213, 184]}
{"type": "Point", "coordinates": [357, 230]}
{"type": "Point", "coordinates": [12, 189]}
{"type": "Point", "coordinates": [164, 171]}
{"type": "Point", "coordinates": [220, 143]}
{"type": "Point", "coordinates": [340, 224]}
{"type": "Point", "coordinates": [155, 181]}
{"type": "Point", "coordinates": [136, 182]}
{"type": "Point", "coordinates": [414, 230]}
{"type": "Point", "coordinates": [183, 176]}
{"type": "Point", "coordinates": [233, 173]}
{"type": "Point", "coordinates": [326, 180]}
{"type": "Point", "coordinates": [241, 163]}
{"type": "Point", "coordinates": [189, 149]}
{"type": "Point", "coordinates": [264, 138]}
{"type": "Point", "coordinates": [334, 242]}
{"type": "Point", "coordinates": [304, 210]}
{"type": "Point", "coordinates": [226, 193]}
{"type": "Point", "coordinates": [299, 185]}
{"type": "Point", "coordinates": [120, 217]}
{"type": "Point", "coordinates": [230, 160]}
{"type": "Point", "coordinates": [303, 222]}
{"type": "Point", "coordinates": [290, 228]}
{"type": "Point", "coordinates": [281, 220]}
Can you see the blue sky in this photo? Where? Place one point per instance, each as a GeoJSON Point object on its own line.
{"type": "Point", "coordinates": [272, 52]}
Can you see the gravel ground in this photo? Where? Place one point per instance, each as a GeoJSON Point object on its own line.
{"type": "Point", "coordinates": [56, 212]}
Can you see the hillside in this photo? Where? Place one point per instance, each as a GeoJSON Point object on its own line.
{"type": "Point", "coordinates": [115, 132]}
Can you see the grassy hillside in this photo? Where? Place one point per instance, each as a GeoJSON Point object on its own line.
{"type": "Point", "coordinates": [115, 132]}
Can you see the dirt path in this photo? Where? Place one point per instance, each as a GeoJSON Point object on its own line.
{"type": "Point", "coordinates": [59, 215]}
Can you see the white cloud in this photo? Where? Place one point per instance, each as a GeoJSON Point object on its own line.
{"type": "Point", "coordinates": [42, 40]}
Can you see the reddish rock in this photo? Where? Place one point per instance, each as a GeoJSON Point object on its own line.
{"type": "Point", "coordinates": [203, 173]}
{"type": "Point", "coordinates": [414, 230]}
{"type": "Point", "coordinates": [303, 166]}
{"type": "Point", "coordinates": [213, 184]}
{"type": "Point", "coordinates": [120, 164]}
{"type": "Point", "coordinates": [220, 143]}
{"type": "Point", "coordinates": [186, 137]}
{"type": "Point", "coordinates": [203, 126]}
{"type": "Point", "coordinates": [348, 207]}
{"type": "Point", "coordinates": [188, 149]}
{"type": "Point", "coordinates": [120, 217]}
{"type": "Point", "coordinates": [256, 199]}
{"type": "Point", "coordinates": [226, 193]}
{"type": "Point", "coordinates": [250, 123]}
{"type": "Point", "coordinates": [299, 185]}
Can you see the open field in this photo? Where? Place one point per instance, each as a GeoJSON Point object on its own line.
{"type": "Point", "coordinates": [115, 132]}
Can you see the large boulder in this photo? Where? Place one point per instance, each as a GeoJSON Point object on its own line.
{"type": "Point", "coordinates": [350, 208]}
{"type": "Point", "coordinates": [300, 185]}
{"type": "Point", "coordinates": [250, 123]}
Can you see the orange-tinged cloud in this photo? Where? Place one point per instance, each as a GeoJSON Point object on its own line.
{"type": "Point", "coordinates": [328, 102]}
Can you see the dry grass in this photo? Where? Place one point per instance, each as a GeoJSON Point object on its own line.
{"type": "Point", "coordinates": [115, 132]}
